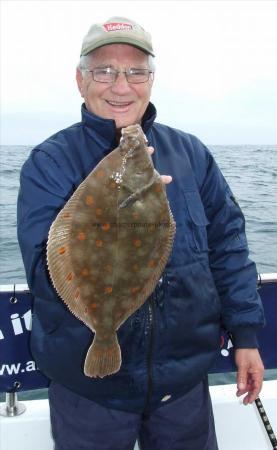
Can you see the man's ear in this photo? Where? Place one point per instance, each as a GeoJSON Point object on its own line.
{"type": "Point", "coordinates": [80, 81]}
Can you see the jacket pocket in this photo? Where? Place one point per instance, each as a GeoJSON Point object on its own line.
{"type": "Point", "coordinates": [197, 222]}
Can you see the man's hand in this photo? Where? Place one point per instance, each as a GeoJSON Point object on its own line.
{"type": "Point", "coordinates": [250, 373]}
{"type": "Point", "coordinates": [165, 178]}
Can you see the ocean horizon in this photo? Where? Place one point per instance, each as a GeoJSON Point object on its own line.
{"type": "Point", "coordinates": [251, 171]}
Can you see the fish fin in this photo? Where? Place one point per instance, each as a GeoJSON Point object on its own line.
{"type": "Point", "coordinates": [60, 264]}
{"type": "Point", "coordinates": [101, 362]}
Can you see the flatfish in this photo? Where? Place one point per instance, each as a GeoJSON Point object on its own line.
{"type": "Point", "coordinates": [109, 244]}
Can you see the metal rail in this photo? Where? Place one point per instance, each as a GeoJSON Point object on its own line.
{"type": "Point", "coordinates": [12, 407]}
{"type": "Point", "coordinates": [265, 278]}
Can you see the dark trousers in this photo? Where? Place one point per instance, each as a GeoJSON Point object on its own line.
{"type": "Point", "coordinates": [184, 424]}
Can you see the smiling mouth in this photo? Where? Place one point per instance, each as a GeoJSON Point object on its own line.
{"type": "Point", "coordinates": [119, 105]}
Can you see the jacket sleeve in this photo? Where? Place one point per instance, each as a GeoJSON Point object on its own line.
{"type": "Point", "coordinates": [43, 191]}
{"type": "Point", "coordinates": [234, 273]}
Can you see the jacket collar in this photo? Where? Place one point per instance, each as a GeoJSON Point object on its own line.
{"type": "Point", "coordinates": [105, 128]}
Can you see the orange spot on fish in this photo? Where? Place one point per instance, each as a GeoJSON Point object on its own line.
{"type": "Point", "coordinates": [77, 294]}
{"type": "Point", "coordinates": [69, 276]}
{"type": "Point", "coordinates": [98, 211]}
{"type": "Point", "coordinates": [81, 236]}
{"type": "Point", "coordinates": [135, 215]}
{"type": "Point", "coordinates": [106, 226]}
{"type": "Point", "coordinates": [135, 267]}
{"type": "Point", "coordinates": [100, 173]}
{"type": "Point", "coordinates": [99, 243]}
{"type": "Point", "coordinates": [151, 263]}
{"type": "Point", "coordinates": [158, 188]}
{"type": "Point", "coordinates": [61, 250]}
{"type": "Point", "coordinates": [85, 272]}
{"type": "Point", "coordinates": [89, 200]}
{"type": "Point", "coordinates": [108, 290]}
{"type": "Point", "coordinates": [93, 306]}
{"type": "Point", "coordinates": [134, 290]}
{"type": "Point", "coordinates": [66, 215]}
{"type": "Point", "coordinates": [137, 242]}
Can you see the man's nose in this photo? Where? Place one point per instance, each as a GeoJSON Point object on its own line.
{"type": "Point", "coordinates": [121, 85]}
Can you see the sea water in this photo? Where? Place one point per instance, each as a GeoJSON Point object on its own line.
{"type": "Point", "coordinates": [250, 170]}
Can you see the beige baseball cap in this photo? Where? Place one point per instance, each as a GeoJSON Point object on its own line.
{"type": "Point", "coordinates": [117, 30]}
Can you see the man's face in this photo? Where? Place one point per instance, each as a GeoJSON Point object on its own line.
{"type": "Point", "coordinates": [121, 101]}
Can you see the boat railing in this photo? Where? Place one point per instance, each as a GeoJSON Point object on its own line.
{"type": "Point", "coordinates": [18, 370]}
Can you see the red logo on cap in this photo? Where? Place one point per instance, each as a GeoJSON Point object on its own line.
{"type": "Point", "coordinates": [117, 26]}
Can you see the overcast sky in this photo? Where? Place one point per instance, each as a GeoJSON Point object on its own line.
{"type": "Point", "coordinates": [216, 65]}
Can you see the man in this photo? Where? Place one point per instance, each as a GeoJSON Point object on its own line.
{"type": "Point", "coordinates": [160, 395]}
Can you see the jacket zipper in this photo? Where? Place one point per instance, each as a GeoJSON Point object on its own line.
{"type": "Point", "coordinates": [150, 351]}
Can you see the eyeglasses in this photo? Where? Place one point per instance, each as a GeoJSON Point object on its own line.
{"type": "Point", "coordinates": [109, 75]}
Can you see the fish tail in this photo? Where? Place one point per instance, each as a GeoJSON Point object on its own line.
{"type": "Point", "coordinates": [102, 361]}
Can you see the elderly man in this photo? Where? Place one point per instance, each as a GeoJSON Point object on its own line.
{"type": "Point", "coordinates": [160, 395]}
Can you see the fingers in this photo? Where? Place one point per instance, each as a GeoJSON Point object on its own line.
{"type": "Point", "coordinates": [252, 390]}
{"type": "Point", "coordinates": [241, 381]}
{"type": "Point", "coordinates": [166, 179]}
{"type": "Point", "coordinates": [252, 386]}
{"type": "Point", "coordinates": [255, 388]}
{"type": "Point", "coordinates": [250, 374]}
{"type": "Point", "coordinates": [251, 396]}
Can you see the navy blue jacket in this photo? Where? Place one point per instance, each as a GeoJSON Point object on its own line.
{"type": "Point", "coordinates": [169, 344]}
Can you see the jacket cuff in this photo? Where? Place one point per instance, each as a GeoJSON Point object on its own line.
{"type": "Point", "coordinates": [245, 337]}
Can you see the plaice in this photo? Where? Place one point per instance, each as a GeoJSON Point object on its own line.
{"type": "Point", "coordinates": [108, 246]}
